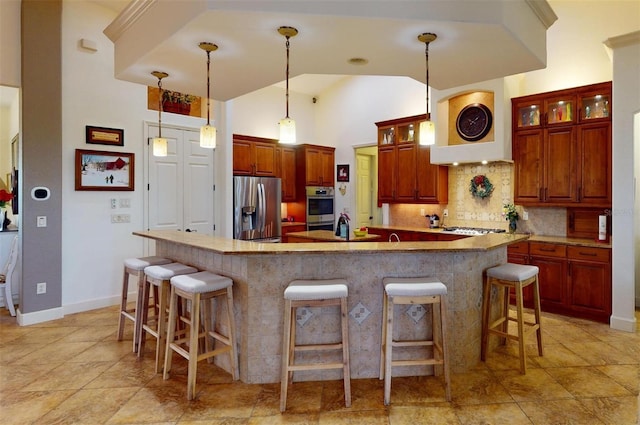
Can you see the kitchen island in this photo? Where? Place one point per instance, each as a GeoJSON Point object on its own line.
{"type": "Point", "coordinates": [328, 236]}
{"type": "Point", "coordinates": [261, 272]}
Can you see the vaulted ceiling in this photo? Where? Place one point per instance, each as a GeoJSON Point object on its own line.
{"type": "Point", "coordinates": [477, 40]}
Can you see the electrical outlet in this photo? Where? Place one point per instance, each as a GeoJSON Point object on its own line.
{"type": "Point", "coordinates": [445, 212]}
{"type": "Point", "coordinates": [422, 212]}
{"type": "Point", "coordinates": [113, 203]}
{"type": "Point", "coordinates": [41, 221]}
{"type": "Point", "coordinates": [525, 215]}
{"type": "Point", "coordinates": [121, 218]}
{"type": "Point", "coordinates": [125, 203]}
{"type": "Point", "coordinates": [41, 288]}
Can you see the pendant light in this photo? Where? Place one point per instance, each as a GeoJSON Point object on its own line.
{"type": "Point", "coordinates": [427, 128]}
{"type": "Point", "coordinates": [208, 132]}
{"type": "Point", "coordinates": [287, 125]}
{"type": "Point", "coordinates": [159, 143]}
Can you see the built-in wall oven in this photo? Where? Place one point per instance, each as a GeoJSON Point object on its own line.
{"type": "Point", "coordinates": [320, 208]}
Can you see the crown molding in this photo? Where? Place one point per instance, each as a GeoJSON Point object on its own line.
{"type": "Point", "coordinates": [127, 18]}
{"type": "Point", "coordinates": [623, 40]}
{"type": "Point", "coordinates": [543, 11]}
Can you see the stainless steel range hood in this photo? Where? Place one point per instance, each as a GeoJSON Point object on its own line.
{"type": "Point", "coordinates": [450, 148]}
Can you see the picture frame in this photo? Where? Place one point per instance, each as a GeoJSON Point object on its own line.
{"type": "Point", "coordinates": [342, 172]}
{"type": "Point", "coordinates": [104, 136]}
{"type": "Point", "coordinates": [103, 170]}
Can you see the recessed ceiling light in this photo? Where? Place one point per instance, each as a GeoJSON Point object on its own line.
{"type": "Point", "coordinates": [485, 162]}
{"type": "Point", "coordinates": [358, 61]}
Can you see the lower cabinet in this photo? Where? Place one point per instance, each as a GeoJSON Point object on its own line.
{"type": "Point", "coordinates": [291, 229]}
{"type": "Point", "coordinates": [574, 280]}
{"type": "Point", "coordinates": [415, 236]}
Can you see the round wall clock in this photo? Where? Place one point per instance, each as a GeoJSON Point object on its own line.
{"type": "Point", "coordinates": [474, 122]}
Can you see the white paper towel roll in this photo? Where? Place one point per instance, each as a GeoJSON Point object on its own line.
{"type": "Point", "coordinates": [602, 228]}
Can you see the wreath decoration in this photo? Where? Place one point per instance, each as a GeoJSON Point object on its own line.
{"type": "Point", "coordinates": [480, 186]}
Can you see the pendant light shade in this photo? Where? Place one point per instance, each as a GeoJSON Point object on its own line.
{"type": "Point", "coordinates": [427, 132]}
{"type": "Point", "coordinates": [159, 143]}
{"type": "Point", "coordinates": [287, 125]}
{"type": "Point", "coordinates": [208, 132]}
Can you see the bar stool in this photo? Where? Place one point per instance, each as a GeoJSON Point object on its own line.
{"type": "Point", "coordinates": [314, 293]}
{"type": "Point", "coordinates": [508, 276]}
{"type": "Point", "coordinates": [134, 267]}
{"type": "Point", "coordinates": [158, 277]}
{"type": "Point", "coordinates": [200, 287]}
{"type": "Point", "coordinates": [407, 291]}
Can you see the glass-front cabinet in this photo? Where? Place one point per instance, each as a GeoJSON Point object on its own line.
{"type": "Point", "coordinates": [595, 102]}
{"type": "Point", "coordinates": [560, 110]}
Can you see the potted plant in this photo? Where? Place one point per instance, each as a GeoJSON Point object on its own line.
{"type": "Point", "coordinates": [176, 102]}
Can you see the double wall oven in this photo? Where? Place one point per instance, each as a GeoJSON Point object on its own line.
{"type": "Point", "coordinates": [320, 208]}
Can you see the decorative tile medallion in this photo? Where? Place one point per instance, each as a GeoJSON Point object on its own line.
{"type": "Point", "coordinates": [359, 313]}
{"type": "Point", "coordinates": [416, 312]}
{"type": "Point", "coordinates": [303, 314]}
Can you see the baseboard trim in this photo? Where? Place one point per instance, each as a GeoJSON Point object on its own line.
{"type": "Point", "coordinates": [623, 324]}
{"type": "Point", "coordinates": [94, 304]}
{"type": "Point", "coordinates": [25, 319]}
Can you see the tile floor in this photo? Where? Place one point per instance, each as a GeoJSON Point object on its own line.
{"type": "Point", "coordinates": [73, 371]}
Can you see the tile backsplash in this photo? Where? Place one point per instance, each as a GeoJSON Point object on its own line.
{"type": "Point", "coordinates": [470, 211]}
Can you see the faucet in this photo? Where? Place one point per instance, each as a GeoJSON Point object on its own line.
{"type": "Point", "coordinates": [396, 236]}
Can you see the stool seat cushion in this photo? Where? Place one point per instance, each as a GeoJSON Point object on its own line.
{"type": "Point", "coordinates": [316, 289]}
{"type": "Point", "coordinates": [142, 262]}
{"type": "Point", "coordinates": [512, 272]}
{"type": "Point", "coordinates": [167, 271]}
{"type": "Point", "coordinates": [201, 282]}
{"type": "Point", "coordinates": [413, 286]}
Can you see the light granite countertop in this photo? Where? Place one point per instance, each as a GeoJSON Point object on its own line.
{"type": "Point", "coordinates": [234, 246]}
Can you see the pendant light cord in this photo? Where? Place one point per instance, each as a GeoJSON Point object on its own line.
{"type": "Point", "coordinates": [426, 53]}
{"type": "Point", "coordinates": [160, 108]}
{"type": "Point", "coordinates": [287, 74]}
{"type": "Point", "coordinates": [208, 65]}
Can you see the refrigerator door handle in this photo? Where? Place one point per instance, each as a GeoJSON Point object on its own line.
{"type": "Point", "coordinates": [261, 208]}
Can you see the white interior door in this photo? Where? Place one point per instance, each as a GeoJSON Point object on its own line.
{"type": "Point", "coordinates": [180, 185]}
{"type": "Point", "coordinates": [364, 190]}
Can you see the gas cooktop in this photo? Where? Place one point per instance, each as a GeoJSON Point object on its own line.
{"type": "Point", "coordinates": [470, 231]}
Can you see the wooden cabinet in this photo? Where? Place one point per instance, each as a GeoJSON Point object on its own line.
{"type": "Point", "coordinates": [254, 156]}
{"type": "Point", "coordinates": [291, 228]}
{"type": "Point", "coordinates": [286, 170]}
{"type": "Point", "coordinates": [315, 164]}
{"type": "Point", "coordinates": [416, 236]}
{"type": "Point", "coordinates": [405, 172]}
{"type": "Point", "coordinates": [574, 280]}
{"type": "Point", "coordinates": [562, 147]}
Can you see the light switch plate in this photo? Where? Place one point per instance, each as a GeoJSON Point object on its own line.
{"type": "Point", "coordinates": [41, 221]}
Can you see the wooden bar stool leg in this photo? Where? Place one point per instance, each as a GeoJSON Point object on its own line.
{"type": "Point", "coordinates": [143, 316]}
{"type": "Point", "coordinates": [445, 347]}
{"type": "Point", "coordinates": [161, 341]}
{"type": "Point", "coordinates": [235, 367]}
{"type": "Point", "coordinates": [286, 353]}
{"type": "Point", "coordinates": [206, 319]}
{"type": "Point", "coordinates": [388, 353]}
{"type": "Point", "coordinates": [345, 351]}
{"type": "Point", "coordinates": [193, 346]}
{"type": "Point", "coordinates": [521, 334]}
{"type": "Point", "coordinates": [171, 332]}
{"type": "Point", "coordinates": [536, 304]}
{"type": "Point", "coordinates": [486, 315]}
{"type": "Point", "coordinates": [383, 339]}
{"type": "Point", "coordinates": [123, 304]}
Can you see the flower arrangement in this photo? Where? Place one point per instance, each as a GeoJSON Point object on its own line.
{"type": "Point", "coordinates": [5, 198]}
{"type": "Point", "coordinates": [509, 212]}
{"type": "Point", "coordinates": [177, 97]}
{"type": "Point", "coordinates": [480, 186]}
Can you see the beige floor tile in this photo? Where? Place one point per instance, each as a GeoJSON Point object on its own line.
{"type": "Point", "coordinates": [566, 411]}
{"type": "Point", "coordinates": [103, 351]}
{"type": "Point", "coordinates": [151, 405]}
{"type": "Point", "coordinates": [24, 407]}
{"type": "Point", "coordinates": [613, 410]}
{"type": "Point", "coordinates": [16, 377]}
{"type": "Point", "coordinates": [88, 407]}
{"type": "Point", "coordinates": [124, 374]}
{"type": "Point", "coordinates": [478, 388]}
{"type": "Point", "coordinates": [568, 333]}
{"type": "Point", "coordinates": [55, 352]}
{"type": "Point", "coordinates": [599, 353]}
{"type": "Point", "coordinates": [502, 413]}
{"type": "Point", "coordinates": [221, 401]}
{"type": "Point", "coordinates": [64, 377]}
{"type": "Point", "coordinates": [416, 390]}
{"type": "Point", "coordinates": [587, 382]}
{"type": "Point", "coordinates": [286, 418]}
{"type": "Point", "coordinates": [536, 384]}
{"type": "Point", "coordinates": [13, 352]}
{"type": "Point", "coordinates": [94, 333]}
{"type": "Point", "coordinates": [626, 375]}
{"type": "Point", "coordinates": [423, 415]}
{"type": "Point", "coordinates": [557, 355]}
{"type": "Point", "coordinates": [369, 417]}
{"type": "Point", "coordinates": [304, 397]}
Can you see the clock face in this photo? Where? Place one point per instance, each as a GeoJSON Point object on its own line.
{"type": "Point", "coordinates": [474, 122]}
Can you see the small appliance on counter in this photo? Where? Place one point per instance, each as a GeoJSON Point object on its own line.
{"type": "Point", "coordinates": [434, 221]}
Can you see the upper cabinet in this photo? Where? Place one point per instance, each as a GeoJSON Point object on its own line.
{"type": "Point", "coordinates": [286, 170]}
{"type": "Point", "coordinates": [405, 173]}
{"type": "Point", "coordinates": [316, 164]}
{"type": "Point", "coordinates": [562, 147]}
{"type": "Point", "coordinates": [254, 156]}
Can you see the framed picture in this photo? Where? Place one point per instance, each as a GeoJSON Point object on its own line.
{"type": "Point", "coordinates": [342, 172]}
{"type": "Point", "coordinates": [105, 136]}
{"type": "Point", "coordinates": [100, 170]}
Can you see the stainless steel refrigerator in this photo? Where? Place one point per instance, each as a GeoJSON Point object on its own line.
{"type": "Point", "coordinates": [256, 208]}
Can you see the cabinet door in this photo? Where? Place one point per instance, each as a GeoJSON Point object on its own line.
{"type": "Point", "coordinates": [595, 171]}
{"type": "Point", "coordinates": [326, 167]}
{"type": "Point", "coordinates": [287, 173]}
{"type": "Point", "coordinates": [313, 164]}
{"type": "Point", "coordinates": [552, 281]}
{"type": "Point", "coordinates": [386, 173]}
{"type": "Point", "coordinates": [242, 158]}
{"type": "Point", "coordinates": [406, 173]}
{"type": "Point", "coordinates": [590, 289]}
{"type": "Point", "coordinates": [432, 180]}
{"type": "Point", "coordinates": [528, 166]}
{"type": "Point", "coordinates": [265, 159]}
{"type": "Point", "coordinates": [561, 158]}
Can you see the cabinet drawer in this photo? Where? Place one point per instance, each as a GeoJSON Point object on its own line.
{"type": "Point", "coordinates": [518, 248]}
{"type": "Point", "coordinates": [589, 254]}
{"type": "Point", "coordinates": [549, 250]}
